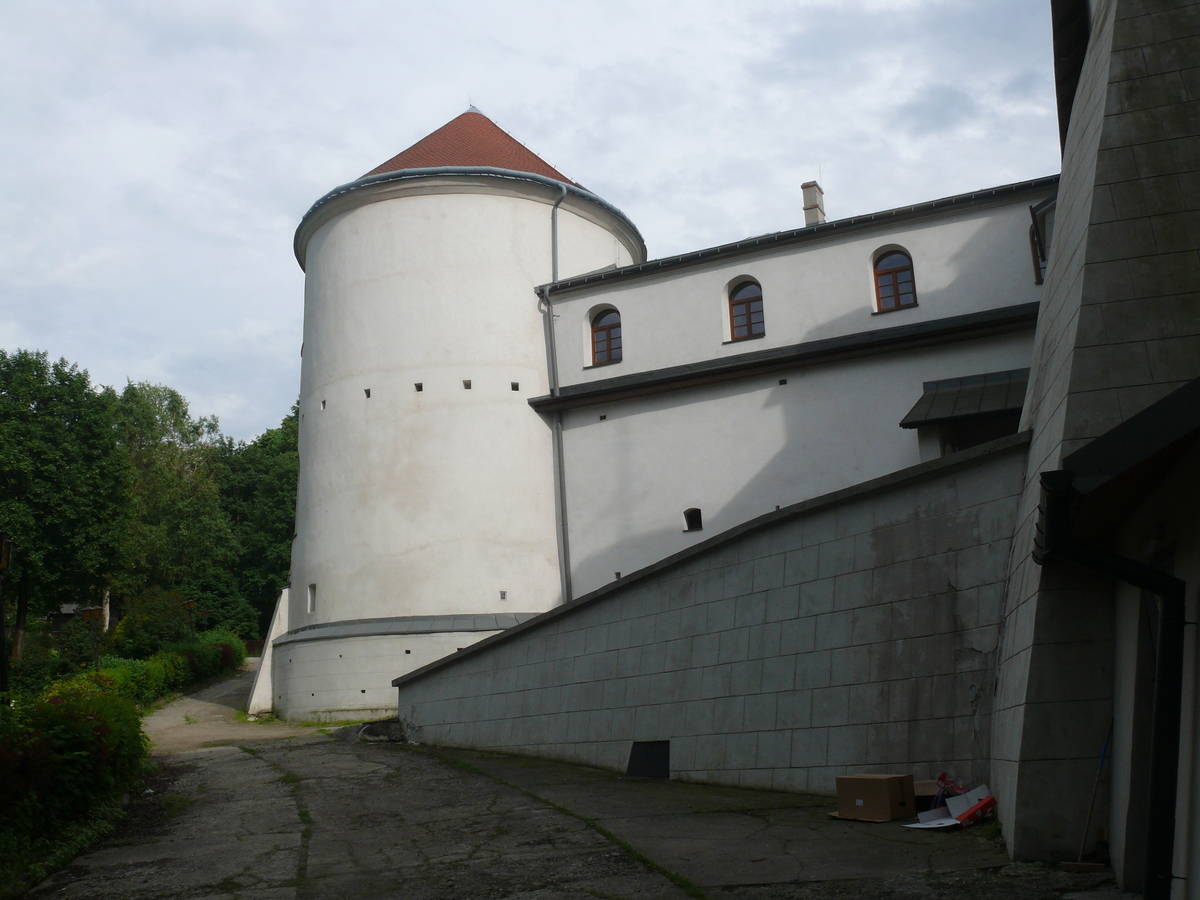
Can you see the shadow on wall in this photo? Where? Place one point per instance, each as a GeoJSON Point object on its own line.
{"type": "Point", "coordinates": [838, 429]}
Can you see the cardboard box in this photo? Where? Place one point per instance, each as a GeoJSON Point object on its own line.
{"type": "Point", "coordinates": [925, 791]}
{"type": "Point", "coordinates": [875, 798]}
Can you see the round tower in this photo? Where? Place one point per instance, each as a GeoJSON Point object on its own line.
{"type": "Point", "coordinates": [425, 517]}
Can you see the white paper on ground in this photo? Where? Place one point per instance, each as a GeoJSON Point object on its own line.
{"type": "Point", "coordinates": [934, 818]}
{"type": "Point", "coordinates": [947, 816]}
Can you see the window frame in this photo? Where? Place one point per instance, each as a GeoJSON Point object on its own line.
{"type": "Point", "coordinates": [746, 304]}
{"type": "Point", "coordinates": [607, 331]}
{"type": "Point", "coordinates": [892, 273]}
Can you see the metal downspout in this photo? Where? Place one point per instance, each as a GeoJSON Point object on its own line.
{"type": "Point", "coordinates": [560, 472]}
{"type": "Point", "coordinates": [1053, 541]}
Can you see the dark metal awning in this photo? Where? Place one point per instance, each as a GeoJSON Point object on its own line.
{"type": "Point", "coordinates": [973, 395]}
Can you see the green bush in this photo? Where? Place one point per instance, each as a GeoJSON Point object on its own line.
{"type": "Point", "coordinates": [155, 618]}
{"type": "Point", "coordinates": [63, 754]}
{"type": "Point", "coordinates": [222, 636]}
{"type": "Point", "coordinates": [142, 681]}
{"type": "Point", "coordinates": [203, 660]}
{"type": "Point", "coordinates": [176, 673]}
{"type": "Point", "coordinates": [229, 613]}
{"type": "Point", "coordinates": [76, 640]}
{"type": "Point", "coordinates": [37, 668]}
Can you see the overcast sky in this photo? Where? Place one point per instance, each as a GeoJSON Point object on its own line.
{"type": "Point", "coordinates": [156, 157]}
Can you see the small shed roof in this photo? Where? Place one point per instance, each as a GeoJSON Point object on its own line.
{"type": "Point", "coordinates": [972, 395]}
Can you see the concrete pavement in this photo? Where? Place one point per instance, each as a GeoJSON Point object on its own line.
{"type": "Point", "coordinates": [268, 812]}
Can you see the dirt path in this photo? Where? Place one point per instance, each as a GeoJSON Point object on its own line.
{"type": "Point", "coordinates": [210, 718]}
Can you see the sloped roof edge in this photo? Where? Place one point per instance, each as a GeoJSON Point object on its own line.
{"type": "Point", "coordinates": [369, 181]}
{"type": "Point", "coordinates": [801, 235]}
{"type": "Point", "coordinates": [920, 471]}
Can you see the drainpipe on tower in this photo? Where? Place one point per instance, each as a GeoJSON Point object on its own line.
{"type": "Point", "coordinates": [560, 473]}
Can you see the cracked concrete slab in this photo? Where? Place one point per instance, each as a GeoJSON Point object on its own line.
{"type": "Point", "coordinates": [261, 812]}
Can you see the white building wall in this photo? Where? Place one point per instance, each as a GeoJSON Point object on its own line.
{"type": "Point", "coordinates": [350, 678]}
{"type": "Point", "coordinates": [738, 449]}
{"type": "Point", "coordinates": [435, 501]}
{"type": "Point", "coordinates": [966, 261]}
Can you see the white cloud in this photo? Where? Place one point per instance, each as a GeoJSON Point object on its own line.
{"type": "Point", "coordinates": [157, 156]}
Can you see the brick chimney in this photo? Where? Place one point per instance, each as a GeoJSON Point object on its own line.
{"type": "Point", "coordinates": [814, 203]}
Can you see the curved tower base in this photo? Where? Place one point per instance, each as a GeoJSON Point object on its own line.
{"type": "Point", "coordinates": [344, 670]}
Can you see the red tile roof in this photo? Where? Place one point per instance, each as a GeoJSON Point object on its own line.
{"type": "Point", "coordinates": [470, 140]}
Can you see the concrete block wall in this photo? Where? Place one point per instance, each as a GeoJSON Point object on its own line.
{"type": "Point", "coordinates": [1119, 329]}
{"type": "Point", "coordinates": [1139, 320]}
{"type": "Point", "coordinates": [851, 633]}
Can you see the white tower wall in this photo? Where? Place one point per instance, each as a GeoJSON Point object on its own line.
{"type": "Point", "coordinates": [424, 503]}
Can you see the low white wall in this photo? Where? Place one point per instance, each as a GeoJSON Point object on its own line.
{"type": "Point", "coordinates": [262, 691]}
{"type": "Point", "coordinates": [350, 678]}
{"type": "Point", "coordinates": [853, 633]}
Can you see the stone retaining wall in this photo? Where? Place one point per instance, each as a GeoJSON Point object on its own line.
{"type": "Point", "coordinates": [849, 633]}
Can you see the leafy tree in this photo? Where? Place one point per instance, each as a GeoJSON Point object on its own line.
{"type": "Point", "coordinates": [181, 537]}
{"type": "Point", "coordinates": [64, 482]}
{"type": "Point", "coordinates": [258, 490]}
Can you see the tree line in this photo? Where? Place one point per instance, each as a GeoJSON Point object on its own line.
{"type": "Point", "coordinates": [110, 496]}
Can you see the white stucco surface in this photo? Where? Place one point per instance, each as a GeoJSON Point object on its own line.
{"type": "Point", "coordinates": [351, 678]}
{"type": "Point", "coordinates": [738, 449]}
{"type": "Point", "coordinates": [964, 261]}
{"type": "Point", "coordinates": [439, 500]}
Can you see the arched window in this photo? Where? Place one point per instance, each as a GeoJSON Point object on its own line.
{"type": "Point", "coordinates": [894, 285]}
{"type": "Point", "coordinates": [746, 312]}
{"type": "Point", "coordinates": [606, 337]}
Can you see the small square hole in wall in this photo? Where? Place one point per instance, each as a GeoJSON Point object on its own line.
{"type": "Point", "coordinates": [363, 691]}
{"type": "Point", "coordinates": [602, 418]}
{"type": "Point", "coordinates": [419, 386]}
{"type": "Point", "coordinates": [322, 404]}
{"type": "Point", "coordinates": [783, 381]}
{"type": "Point", "coordinates": [367, 391]}
{"type": "Point", "coordinates": [466, 384]}
{"type": "Point", "coordinates": [504, 595]}
{"type": "Point", "coordinates": [649, 759]}
{"type": "Point", "coordinates": [408, 651]}
{"type": "Point", "coordinates": [617, 575]}
{"type": "Point", "coordinates": [516, 385]}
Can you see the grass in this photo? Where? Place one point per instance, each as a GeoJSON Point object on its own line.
{"type": "Point", "coordinates": [261, 719]}
{"type": "Point", "coordinates": [175, 804]}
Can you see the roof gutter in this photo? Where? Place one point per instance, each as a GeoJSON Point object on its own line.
{"type": "Point", "coordinates": [305, 228]}
{"type": "Point", "coordinates": [807, 233]}
{"type": "Point", "coordinates": [560, 469]}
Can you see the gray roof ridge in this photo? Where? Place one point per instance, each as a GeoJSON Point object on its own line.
{"type": "Point", "coordinates": [807, 232]}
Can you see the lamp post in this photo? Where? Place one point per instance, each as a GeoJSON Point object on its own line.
{"type": "Point", "coordinates": [6, 548]}
{"type": "Point", "coordinates": [93, 616]}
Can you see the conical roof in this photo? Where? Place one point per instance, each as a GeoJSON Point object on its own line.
{"type": "Point", "coordinates": [470, 140]}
